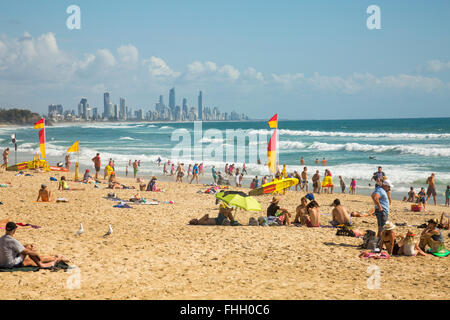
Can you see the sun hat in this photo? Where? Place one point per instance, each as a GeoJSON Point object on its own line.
{"type": "Point", "coordinates": [388, 183]}
{"type": "Point", "coordinates": [275, 200]}
{"type": "Point", "coordinates": [389, 226]}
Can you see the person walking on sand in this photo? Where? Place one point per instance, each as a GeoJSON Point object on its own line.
{"type": "Point", "coordinates": [381, 201]}
{"type": "Point", "coordinates": [353, 186]}
{"type": "Point", "coordinates": [165, 168]}
{"type": "Point", "coordinates": [5, 158]}
{"type": "Point", "coordinates": [189, 170]}
{"type": "Point", "coordinates": [135, 168]}
{"type": "Point", "coordinates": [431, 188]}
{"type": "Point", "coordinates": [97, 165]}
{"type": "Point", "coordinates": [194, 173]}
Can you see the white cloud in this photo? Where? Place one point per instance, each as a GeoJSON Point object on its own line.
{"type": "Point", "coordinates": [210, 71]}
{"type": "Point", "coordinates": [251, 74]}
{"type": "Point", "coordinates": [128, 54]}
{"type": "Point", "coordinates": [437, 66]}
{"type": "Point", "coordinates": [158, 68]}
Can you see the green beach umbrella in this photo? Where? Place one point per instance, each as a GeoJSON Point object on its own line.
{"type": "Point", "coordinates": [240, 200]}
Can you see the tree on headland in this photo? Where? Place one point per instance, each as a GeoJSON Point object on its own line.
{"type": "Point", "coordinates": [18, 116]}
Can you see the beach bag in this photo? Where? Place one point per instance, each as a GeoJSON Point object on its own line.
{"type": "Point", "coordinates": [345, 230]}
{"type": "Point", "coordinates": [370, 241]}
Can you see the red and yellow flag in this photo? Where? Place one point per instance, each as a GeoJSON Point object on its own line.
{"type": "Point", "coordinates": [272, 151]}
{"type": "Point", "coordinates": [41, 125]}
{"type": "Point", "coordinates": [273, 123]}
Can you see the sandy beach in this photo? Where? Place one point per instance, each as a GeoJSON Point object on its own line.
{"type": "Point", "coordinates": [154, 253]}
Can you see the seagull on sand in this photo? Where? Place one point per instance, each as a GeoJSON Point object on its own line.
{"type": "Point", "coordinates": [110, 231]}
{"type": "Point", "coordinates": [81, 231]}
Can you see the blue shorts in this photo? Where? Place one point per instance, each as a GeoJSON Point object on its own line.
{"type": "Point", "coordinates": [382, 217]}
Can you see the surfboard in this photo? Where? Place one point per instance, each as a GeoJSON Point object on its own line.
{"type": "Point", "coordinates": [52, 168]}
{"type": "Point", "coordinates": [274, 186]}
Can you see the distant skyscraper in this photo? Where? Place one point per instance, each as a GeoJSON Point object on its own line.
{"type": "Point", "coordinates": [123, 111]}
{"type": "Point", "coordinates": [106, 105]}
{"type": "Point", "coordinates": [83, 108]}
{"type": "Point", "coordinates": [172, 99]}
{"type": "Point", "coordinates": [200, 106]}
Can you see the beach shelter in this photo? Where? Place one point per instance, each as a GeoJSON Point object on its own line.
{"type": "Point", "coordinates": [239, 199]}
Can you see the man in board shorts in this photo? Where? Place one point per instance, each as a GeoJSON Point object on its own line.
{"type": "Point", "coordinates": [97, 165]}
{"type": "Point", "coordinates": [431, 191]}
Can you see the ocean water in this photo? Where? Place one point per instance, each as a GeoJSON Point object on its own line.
{"type": "Point", "coordinates": [408, 149]}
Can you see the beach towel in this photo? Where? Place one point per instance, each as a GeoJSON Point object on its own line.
{"type": "Point", "coordinates": [374, 255]}
{"type": "Point", "coordinates": [61, 265]}
{"type": "Point", "coordinates": [122, 205]}
{"type": "Point", "coordinates": [53, 179]}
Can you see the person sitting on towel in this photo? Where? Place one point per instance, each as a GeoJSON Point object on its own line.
{"type": "Point", "coordinates": [14, 254]}
{"type": "Point", "coordinates": [225, 213]}
{"type": "Point", "coordinates": [431, 236]}
{"type": "Point", "coordinates": [44, 195]}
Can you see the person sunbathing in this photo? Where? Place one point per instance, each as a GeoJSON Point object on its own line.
{"type": "Point", "coordinates": [432, 237]}
{"type": "Point", "coordinates": [14, 254]}
{"type": "Point", "coordinates": [389, 239]}
{"type": "Point", "coordinates": [65, 187]}
{"type": "Point", "coordinates": [361, 214]}
{"type": "Point", "coordinates": [408, 247]}
{"type": "Point", "coordinates": [44, 195]}
{"type": "Point", "coordinates": [301, 215]}
{"type": "Point", "coordinates": [225, 213]}
{"type": "Point", "coordinates": [339, 214]}
{"type": "Point", "coordinates": [313, 211]}
{"type": "Point", "coordinates": [114, 184]}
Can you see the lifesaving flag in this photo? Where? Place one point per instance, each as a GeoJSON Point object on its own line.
{"type": "Point", "coordinates": [74, 147]}
{"type": "Point", "coordinates": [41, 125]}
{"type": "Point", "coordinates": [273, 123]}
{"type": "Point", "coordinates": [272, 151]}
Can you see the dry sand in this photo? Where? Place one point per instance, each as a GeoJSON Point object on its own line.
{"type": "Point", "coordinates": [154, 254]}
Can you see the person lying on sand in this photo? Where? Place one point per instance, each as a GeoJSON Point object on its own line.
{"type": "Point", "coordinates": [361, 214]}
{"type": "Point", "coordinates": [65, 187]}
{"type": "Point", "coordinates": [432, 237]}
{"type": "Point", "coordinates": [44, 195]}
{"type": "Point", "coordinates": [313, 211]}
{"type": "Point", "coordinates": [339, 214]}
{"type": "Point", "coordinates": [114, 184]}
{"type": "Point", "coordinates": [301, 215]}
{"type": "Point", "coordinates": [224, 213]}
{"type": "Point", "coordinates": [14, 254]}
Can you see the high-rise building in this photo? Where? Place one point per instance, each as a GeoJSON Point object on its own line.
{"type": "Point", "coordinates": [200, 106]}
{"type": "Point", "coordinates": [106, 105]}
{"type": "Point", "coordinates": [82, 108]}
{"type": "Point", "coordinates": [172, 99]}
{"type": "Point", "coordinates": [122, 111]}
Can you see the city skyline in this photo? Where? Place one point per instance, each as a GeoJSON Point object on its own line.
{"type": "Point", "coordinates": [161, 112]}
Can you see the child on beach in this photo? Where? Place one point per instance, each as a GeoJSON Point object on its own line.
{"type": "Point", "coordinates": [353, 187]}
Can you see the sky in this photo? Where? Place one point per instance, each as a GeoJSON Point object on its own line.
{"type": "Point", "coordinates": [300, 59]}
